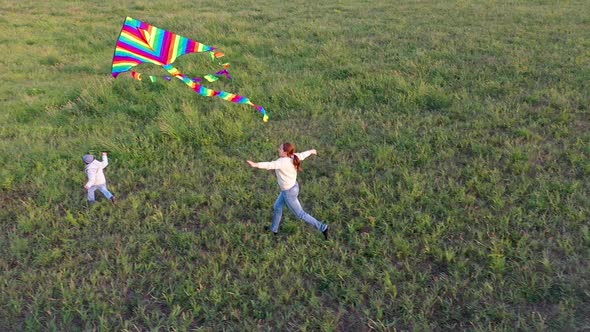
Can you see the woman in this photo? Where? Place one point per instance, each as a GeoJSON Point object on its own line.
{"type": "Point", "coordinates": [286, 168]}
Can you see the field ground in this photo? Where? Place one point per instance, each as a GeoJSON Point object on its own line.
{"type": "Point", "coordinates": [453, 168]}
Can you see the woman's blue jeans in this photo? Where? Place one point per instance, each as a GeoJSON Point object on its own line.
{"type": "Point", "coordinates": [289, 198]}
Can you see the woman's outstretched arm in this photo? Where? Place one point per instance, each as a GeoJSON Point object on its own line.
{"type": "Point", "coordinates": [264, 165]}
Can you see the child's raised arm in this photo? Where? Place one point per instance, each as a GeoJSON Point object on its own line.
{"type": "Point", "coordinates": [105, 160]}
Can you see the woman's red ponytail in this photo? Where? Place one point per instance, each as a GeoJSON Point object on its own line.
{"type": "Point", "coordinates": [290, 150]}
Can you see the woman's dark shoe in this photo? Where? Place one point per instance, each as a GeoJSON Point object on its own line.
{"type": "Point", "coordinates": [266, 228]}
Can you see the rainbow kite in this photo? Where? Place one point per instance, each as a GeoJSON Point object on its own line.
{"type": "Point", "coordinates": [140, 42]}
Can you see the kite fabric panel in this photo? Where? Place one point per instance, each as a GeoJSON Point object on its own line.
{"type": "Point", "coordinates": [140, 42]}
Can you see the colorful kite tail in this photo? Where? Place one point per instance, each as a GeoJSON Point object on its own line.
{"type": "Point", "coordinates": [203, 91]}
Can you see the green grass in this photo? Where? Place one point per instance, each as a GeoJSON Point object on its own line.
{"type": "Point", "coordinates": [453, 168]}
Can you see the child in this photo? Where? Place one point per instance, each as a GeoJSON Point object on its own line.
{"type": "Point", "coordinates": [96, 179]}
{"type": "Point", "coordinates": [286, 168]}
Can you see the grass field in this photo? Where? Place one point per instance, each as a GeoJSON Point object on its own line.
{"type": "Point", "coordinates": [453, 168]}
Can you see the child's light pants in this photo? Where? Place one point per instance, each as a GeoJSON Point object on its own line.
{"type": "Point", "coordinates": [103, 189]}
